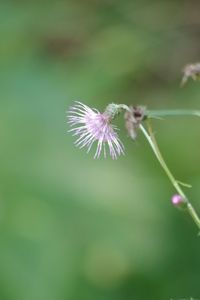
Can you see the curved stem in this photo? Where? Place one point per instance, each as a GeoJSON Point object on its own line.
{"type": "Point", "coordinates": [171, 113]}
{"type": "Point", "coordinates": [152, 141]}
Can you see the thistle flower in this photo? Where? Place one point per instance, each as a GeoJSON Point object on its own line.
{"type": "Point", "coordinates": [92, 126]}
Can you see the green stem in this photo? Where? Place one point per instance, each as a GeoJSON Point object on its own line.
{"type": "Point", "coordinates": [171, 113]}
{"type": "Point", "coordinates": [152, 141]}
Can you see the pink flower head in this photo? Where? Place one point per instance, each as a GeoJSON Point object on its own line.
{"type": "Point", "coordinates": [178, 200]}
{"type": "Point", "coordinates": [91, 126]}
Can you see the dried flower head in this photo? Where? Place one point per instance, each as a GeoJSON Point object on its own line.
{"type": "Point", "coordinates": [192, 70]}
{"type": "Point", "coordinates": [133, 117]}
{"type": "Point", "coordinates": [92, 126]}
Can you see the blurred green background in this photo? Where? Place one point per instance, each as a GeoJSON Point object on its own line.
{"type": "Point", "coordinates": [76, 228]}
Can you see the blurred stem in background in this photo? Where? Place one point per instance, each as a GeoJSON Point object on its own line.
{"type": "Point", "coordinates": [172, 113]}
{"type": "Point", "coordinates": [153, 143]}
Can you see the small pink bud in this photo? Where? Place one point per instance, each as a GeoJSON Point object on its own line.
{"type": "Point", "coordinates": [178, 200]}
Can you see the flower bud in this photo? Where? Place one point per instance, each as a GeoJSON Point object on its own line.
{"type": "Point", "coordinates": [178, 201]}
